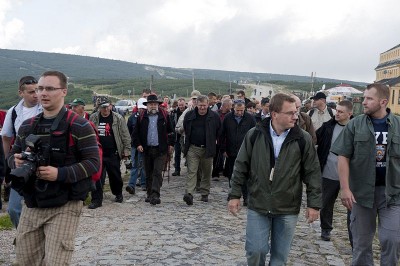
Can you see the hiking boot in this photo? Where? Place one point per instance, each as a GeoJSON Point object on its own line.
{"type": "Point", "coordinates": [326, 235]}
{"type": "Point", "coordinates": [188, 198]}
{"type": "Point", "coordinates": [144, 188]}
{"type": "Point", "coordinates": [204, 198]}
{"type": "Point", "coordinates": [147, 199]}
{"type": "Point", "coordinates": [155, 200]}
{"type": "Point", "coordinates": [94, 205]}
{"type": "Point", "coordinates": [130, 189]}
{"type": "Point", "coordinates": [245, 202]}
{"type": "Point", "coordinates": [119, 198]}
{"type": "Point", "coordinates": [176, 173]}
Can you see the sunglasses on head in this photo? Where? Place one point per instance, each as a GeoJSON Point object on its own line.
{"type": "Point", "coordinates": [30, 81]}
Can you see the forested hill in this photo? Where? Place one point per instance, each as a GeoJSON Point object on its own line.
{"type": "Point", "coordinates": [17, 63]}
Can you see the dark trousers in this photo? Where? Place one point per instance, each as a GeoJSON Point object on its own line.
{"type": "Point", "coordinates": [178, 151]}
{"type": "Point", "coordinates": [218, 163]}
{"type": "Point", "coordinates": [111, 165]}
{"type": "Point", "coordinates": [229, 163]}
{"type": "Point", "coordinates": [330, 192]}
{"type": "Point", "coordinates": [154, 162]}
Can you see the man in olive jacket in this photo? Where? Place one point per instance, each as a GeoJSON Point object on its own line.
{"type": "Point", "coordinates": [276, 157]}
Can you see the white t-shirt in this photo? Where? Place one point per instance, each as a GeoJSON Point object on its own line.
{"type": "Point", "coordinates": [23, 113]}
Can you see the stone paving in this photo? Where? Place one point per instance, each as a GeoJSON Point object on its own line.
{"type": "Point", "coordinates": [172, 233]}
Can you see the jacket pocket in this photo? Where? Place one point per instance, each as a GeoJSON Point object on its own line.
{"type": "Point", "coordinates": [395, 146]}
{"type": "Point", "coordinates": [361, 144]}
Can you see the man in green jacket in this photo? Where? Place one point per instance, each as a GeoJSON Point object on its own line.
{"type": "Point", "coordinates": [368, 150]}
{"type": "Point", "coordinates": [275, 158]}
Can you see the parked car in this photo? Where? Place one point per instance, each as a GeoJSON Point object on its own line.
{"type": "Point", "coordinates": [125, 107]}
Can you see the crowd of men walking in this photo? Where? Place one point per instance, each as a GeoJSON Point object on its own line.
{"type": "Point", "coordinates": [267, 150]}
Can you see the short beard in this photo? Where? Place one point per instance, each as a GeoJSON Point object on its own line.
{"type": "Point", "coordinates": [153, 111]}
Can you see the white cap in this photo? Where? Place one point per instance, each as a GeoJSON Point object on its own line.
{"type": "Point", "coordinates": [140, 103]}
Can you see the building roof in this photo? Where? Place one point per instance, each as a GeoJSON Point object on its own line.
{"type": "Point", "coordinates": [397, 46]}
{"type": "Point", "coordinates": [388, 63]}
{"type": "Point", "coordinates": [390, 82]}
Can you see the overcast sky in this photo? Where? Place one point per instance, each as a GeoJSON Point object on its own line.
{"type": "Point", "coordinates": [336, 39]}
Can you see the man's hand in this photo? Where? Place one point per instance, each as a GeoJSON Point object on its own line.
{"type": "Point", "coordinates": [17, 160]}
{"type": "Point", "coordinates": [311, 215]}
{"type": "Point", "coordinates": [48, 173]}
{"type": "Point", "coordinates": [234, 206]}
{"type": "Point", "coordinates": [225, 155]}
{"type": "Point", "coordinates": [140, 148]}
{"type": "Point", "coordinates": [347, 198]}
{"type": "Point", "coordinates": [171, 149]}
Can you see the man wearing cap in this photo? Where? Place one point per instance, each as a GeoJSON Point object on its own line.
{"type": "Point", "coordinates": [320, 113]}
{"type": "Point", "coordinates": [153, 135]}
{"type": "Point", "coordinates": [26, 108]}
{"type": "Point", "coordinates": [115, 140]}
{"type": "Point", "coordinates": [136, 156]}
{"type": "Point", "coordinates": [202, 128]}
{"type": "Point", "coordinates": [264, 113]}
{"type": "Point", "coordinates": [78, 106]}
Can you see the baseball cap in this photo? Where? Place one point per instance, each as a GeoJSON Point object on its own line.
{"type": "Point", "coordinates": [78, 101]}
{"type": "Point", "coordinates": [104, 103]}
{"type": "Point", "coordinates": [195, 94]}
{"type": "Point", "coordinates": [319, 95]}
{"type": "Point", "coordinates": [140, 103]}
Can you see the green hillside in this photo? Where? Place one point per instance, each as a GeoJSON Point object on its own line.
{"type": "Point", "coordinates": [16, 63]}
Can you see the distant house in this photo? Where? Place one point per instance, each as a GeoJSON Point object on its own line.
{"type": "Point", "coordinates": [388, 72]}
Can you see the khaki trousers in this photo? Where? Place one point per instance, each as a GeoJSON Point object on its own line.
{"type": "Point", "coordinates": [47, 236]}
{"type": "Point", "coordinates": [196, 159]}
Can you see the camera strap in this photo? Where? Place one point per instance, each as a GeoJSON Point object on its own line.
{"type": "Point", "coordinates": [55, 123]}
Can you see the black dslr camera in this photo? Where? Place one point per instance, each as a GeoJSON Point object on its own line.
{"type": "Point", "coordinates": [37, 156]}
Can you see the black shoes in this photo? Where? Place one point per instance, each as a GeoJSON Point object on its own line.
{"type": "Point", "coordinates": [155, 200]}
{"type": "Point", "coordinates": [119, 198]}
{"type": "Point", "coordinates": [94, 205]}
{"type": "Point", "coordinates": [245, 202]}
{"type": "Point", "coordinates": [147, 199]}
{"type": "Point", "coordinates": [131, 190]}
{"type": "Point", "coordinates": [204, 198]}
{"type": "Point", "coordinates": [326, 235]}
{"type": "Point", "coordinates": [176, 173]}
{"type": "Point", "coordinates": [188, 198]}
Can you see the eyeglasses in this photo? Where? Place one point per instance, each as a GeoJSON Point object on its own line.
{"type": "Point", "coordinates": [48, 89]}
{"type": "Point", "coordinates": [30, 81]}
{"type": "Point", "coordinates": [238, 101]}
{"type": "Point", "coordinates": [289, 113]}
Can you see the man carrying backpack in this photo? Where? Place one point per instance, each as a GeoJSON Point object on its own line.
{"type": "Point", "coordinates": [26, 108]}
{"type": "Point", "coordinates": [275, 158]}
{"type": "Point", "coordinates": [55, 190]}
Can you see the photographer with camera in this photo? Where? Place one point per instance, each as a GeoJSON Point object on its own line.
{"type": "Point", "coordinates": [53, 174]}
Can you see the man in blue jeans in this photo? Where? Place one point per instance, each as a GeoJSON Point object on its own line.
{"type": "Point", "coordinates": [26, 108]}
{"type": "Point", "coordinates": [136, 156]}
{"type": "Point", "coordinates": [275, 159]}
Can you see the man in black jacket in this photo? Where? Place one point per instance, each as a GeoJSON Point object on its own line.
{"type": "Point", "coordinates": [154, 136]}
{"type": "Point", "coordinates": [175, 114]}
{"type": "Point", "coordinates": [326, 135]}
{"type": "Point", "coordinates": [234, 128]}
{"type": "Point", "coordinates": [201, 127]}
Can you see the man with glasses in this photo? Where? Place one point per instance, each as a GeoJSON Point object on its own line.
{"type": "Point", "coordinates": [54, 192]}
{"type": "Point", "coordinates": [26, 108]}
{"type": "Point", "coordinates": [275, 159]}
